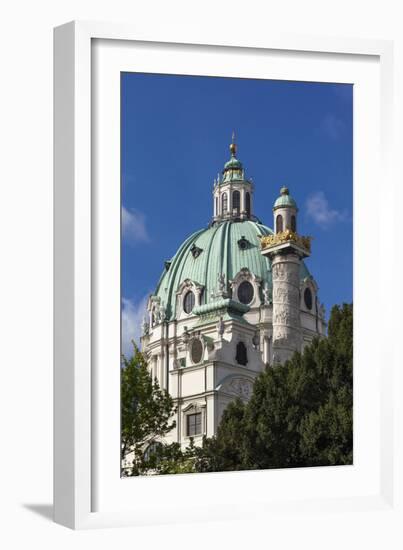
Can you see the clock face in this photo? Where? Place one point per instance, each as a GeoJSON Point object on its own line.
{"type": "Point", "coordinates": [308, 298]}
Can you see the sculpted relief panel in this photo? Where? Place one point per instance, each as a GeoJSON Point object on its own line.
{"type": "Point", "coordinates": [285, 316]}
{"type": "Point", "coordinates": [288, 273]}
{"type": "Point", "coordinates": [286, 294]}
{"type": "Point", "coordinates": [241, 387]}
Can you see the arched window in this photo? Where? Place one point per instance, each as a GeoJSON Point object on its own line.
{"type": "Point", "coordinates": [236, 201]}
{"type": "Point", "coordinates": [247, 204]}
{"type": "Point", "coordinates": [241, 354]}
{"type": "Point", "coordinates": [308, 298]}
{"type": "Point", "coordinates": [152, 451]}
{"type": "Point", "coordinates": [279, 223]}
{"type": "Point", "coordinates": [188, 302]}
{"type": "Point", "coordinates": [224, 203]}
{"type": "Point", "coordinates": [216, 206]}
{"type": "Point", "coordinates": [293, 224]}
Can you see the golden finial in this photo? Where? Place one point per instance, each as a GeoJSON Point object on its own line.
{"type": "Point", "coordinates": [232, 147]}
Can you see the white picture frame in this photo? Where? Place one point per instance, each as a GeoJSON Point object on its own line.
{"type": "Point", "coordinates": [88, 491]}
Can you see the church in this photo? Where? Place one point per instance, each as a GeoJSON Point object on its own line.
{"type": "Point", "coordinates": [237, 297]}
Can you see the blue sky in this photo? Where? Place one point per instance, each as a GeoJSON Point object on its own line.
{"type": "Point", "coordinates": [175, 136]}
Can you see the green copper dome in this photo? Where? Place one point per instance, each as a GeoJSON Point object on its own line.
{"type": "Point", "coordinates": [223, 248]}
{"type": "Point", "coordinates": [285, 199]}
{"type": "Point", "coordinates": [233, 164]}
{"type": "Point", "coordinates": [233, 169]}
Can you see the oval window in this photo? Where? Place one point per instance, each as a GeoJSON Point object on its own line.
{"type": "Point", "coordinates": [308, 298]}
{"type": "Point", "coordinates": [188, 302]}
{"type": "Point", "coordinates": [196, 351]}
{"type": "Point", "coordinates": [245, 292]}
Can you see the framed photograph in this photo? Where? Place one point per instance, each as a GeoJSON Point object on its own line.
{"type": "Point", "coordinates": [219, 256]}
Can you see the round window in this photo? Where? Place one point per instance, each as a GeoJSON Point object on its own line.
{"type": "Point", "coordinates": [196, 351]}
{"type": "Point", "coordinates": [188, 302]}
{"type": "Point", "coordinates": [308, 298]}
{"type": "Point", "coordinates": [245, 292]}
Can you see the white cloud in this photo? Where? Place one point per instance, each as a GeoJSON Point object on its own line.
{"type": "Point", "coordinates": [132, 317]}
{"type": "Point", "coordinates": [318, 209]}
{"type": "Point", "coordinates": [332, 126]}
{"type": "Point", "coordinates": [134, 226]}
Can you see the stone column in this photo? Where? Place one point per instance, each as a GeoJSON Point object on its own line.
{"type": "Point", "coordinates": [266, 350]}
{"type": "Point", "coordinates": [242, 205]}
{"type": "Point", "coordinates": [286, 305]}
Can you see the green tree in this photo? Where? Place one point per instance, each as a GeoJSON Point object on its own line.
{"type": "Point", "coordinates": [146, 410]}
{"type": "Point", "coordinates": [300, 413]}
{"type": "Point", "coordinates": [327, 432]}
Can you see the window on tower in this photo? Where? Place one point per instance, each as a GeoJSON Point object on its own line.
{"type": "Point", "coordinates": [241, 354]}
{"type": "Point", "coordinates": [224, 203]}
{"type": "Point", "coordinates": [308, 298]}
{"type": "Point", "coordinates": [293, 224]}
{"type": "Point", "coordinates": [247, 204]}
{"type": "Point", "coordinates": [236, 201]}
{"type": "Point", "coordinates": [279, 223]}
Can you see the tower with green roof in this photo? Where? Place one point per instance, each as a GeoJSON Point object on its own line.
{"type": "Point", "coordinates": [285, 250]}
{"type": "Point", "coordinates": [233, 192]}
{"type": "Point", "coordinates": [219, 310]}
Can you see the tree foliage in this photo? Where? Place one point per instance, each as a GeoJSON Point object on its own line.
{"type": "Point", "coordinates": [146, 410]}
{"type": "Point", "coordinates": [300, 413]}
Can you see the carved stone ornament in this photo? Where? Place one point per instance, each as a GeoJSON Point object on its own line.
{"type": "Point", "coordinates": [267, 299]}
{"type": "Point", "coordinates": [221, 291]}
{"type": "Point", "coordinates": [281, 272]}
{"type": "Point", "coordinates": [185, 335]}
{"type": "Point", "coordinates": [244, 275]}
{"type": "Point", "coordinates": [221, 282]}
{"type": "Point", "coordinates": [286, 317]}
{"type": "Point", "coordinates": [220, 327]}
{"type": "Point", "coordinates": [286, 294]}
{"type": "Point", "coordinates": [188, 284]}
{"type": "Point", "coordinates": [162, 313]}
{"type": "Point", "coordinates": [240, 387]}
{"type": "Point", "coordinates": [145, 327]}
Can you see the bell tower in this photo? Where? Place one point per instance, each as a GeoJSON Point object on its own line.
{"type": "Point", "coordinates": [232, 192]}
{"type": "Point", "coordinates": [286, 248]}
